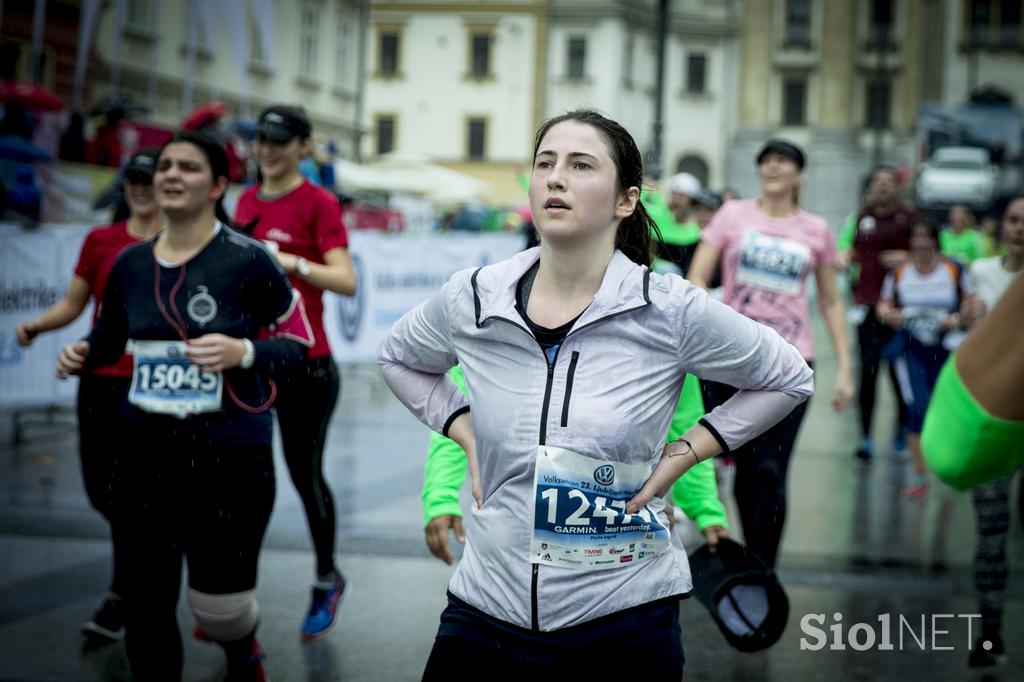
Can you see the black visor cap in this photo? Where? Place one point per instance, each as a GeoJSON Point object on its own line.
{"type": "Point", "coordinates": [787, 149]}
{"type": "Point", "coordinates": [281, 124]}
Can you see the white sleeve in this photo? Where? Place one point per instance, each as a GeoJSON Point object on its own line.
{"type": "Point", "coordinates": [966, 281]}
{"type": "Point", "coordinates": [720, 344]}
{"type": "Point", "coordinates": [887, 288]}
{"type": "Point", "coordinates": [416, 355]}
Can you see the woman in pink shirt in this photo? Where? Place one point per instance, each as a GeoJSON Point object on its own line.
{"type": "Point", "coordinates": [767, 247]}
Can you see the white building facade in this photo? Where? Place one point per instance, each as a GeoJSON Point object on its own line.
{"type": "Point", "coordinates": [175, 56]}
{"type": "Point", "coordinates": [982, 47]}
{"type": "Point", "coordinates": [466, 83]}
{"type": "Point", "coordinates": [604, 54]}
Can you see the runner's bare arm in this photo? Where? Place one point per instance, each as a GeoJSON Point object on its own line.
{"type": "Point", "coordinates": [991, 360]}
{"type": "Point", "coordinates": [702, 268]}
{"type": "Point", "coordinates": [461, 431]}
{"type": "Point", "coordinates": [677, 457]}
{"type": "Point", "coordinates": [335, 274]}
{"type": "Point", "coordinates": [60, 314]}
{"type": "Point", "coordinates": [834, 312]}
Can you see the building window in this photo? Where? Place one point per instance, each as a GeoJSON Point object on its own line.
{"type": "Point", "coordinates": [476, 138]}
{"type": "Point", "coordinates": [256, 55]}
{"type": "Point", "coordinates": [695, 165]}
{"type": "Point", "coordinates": [627, 59]}
{"type": "Point", "coordinates": [204, 29]}
{"type": "Point", "coordinates": [879, 95]}
{"type": "Point", "coordinates": [1009, 23]}
{"type": "Point", "coordinates": [388, 53]}
{"type": "Point", "coordinates": [696, 70]}
{"type": "Point", "coordinates": [310, 43]}
{"type": "Point", "coordinates": [881, 24]}
{"type": "Point", "coordinates": [10, 55]}
{"type": "Point", "coordinates": [385, 134]}
{"type": "Point", "coordinates": [979, 20]}
{"type": "Point", "coordinates": [577, 63]}
{"type": "Point", "coordinates": [480, 43]}
{"type": "Point", "coordinates": [341, 76]}
{"type": "Point", "coordinates": [137, 14]}
{"type": "Point", "coordinates": [794, 101]}
{"type": "Point", "coordinates": [993, 23]}
{"type": "Point", "coordinates": [798, 23]}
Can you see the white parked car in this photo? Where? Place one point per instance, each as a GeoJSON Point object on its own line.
{"type": "Point", "coordinates": [957, 175]}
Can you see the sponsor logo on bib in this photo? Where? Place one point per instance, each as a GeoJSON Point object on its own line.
{"type": "Point", "coordinates": [605, 475]}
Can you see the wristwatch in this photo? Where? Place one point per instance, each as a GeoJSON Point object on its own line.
{"type": "Point", "coordinates": [249, 356]}
{"type": "Point", "coordinates": [303, 267]}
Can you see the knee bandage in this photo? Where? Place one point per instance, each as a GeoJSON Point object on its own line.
{"type": "Point", "coordinates": [225, 617]}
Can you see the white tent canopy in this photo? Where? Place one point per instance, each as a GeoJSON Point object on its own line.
{"type": "Point", "coordinates": [411, 175]}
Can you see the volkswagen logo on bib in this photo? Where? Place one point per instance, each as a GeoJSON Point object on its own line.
{"type": "Point", "coordinates": [605, 475]}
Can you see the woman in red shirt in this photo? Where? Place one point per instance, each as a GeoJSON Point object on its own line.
{"type": "Point", "coordinates": [102, 391]}
{"type": "Point", "coordinates": [302, 225]}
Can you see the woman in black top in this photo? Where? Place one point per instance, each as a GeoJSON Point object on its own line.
{"type": "Point", "coordinates": [188, 305]}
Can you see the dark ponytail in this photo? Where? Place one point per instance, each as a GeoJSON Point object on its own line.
{"type": "Point", "coordinates": [634, 236]}
{"type": "Point", "coordinates": [215, 155]}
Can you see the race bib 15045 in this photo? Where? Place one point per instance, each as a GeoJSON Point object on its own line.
{"type": "Point", "coordinates": [164, 381]}
{"type": "Point", "coordinates": [579, 513]}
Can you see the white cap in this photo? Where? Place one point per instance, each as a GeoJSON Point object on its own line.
{"type": "Point", "coordinates": [684, 183]}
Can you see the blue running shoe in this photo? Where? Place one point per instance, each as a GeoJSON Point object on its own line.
{"type": "Point", "coordinates": [899, 444]}
{"type": "Point", "coordinates": [323, 610]}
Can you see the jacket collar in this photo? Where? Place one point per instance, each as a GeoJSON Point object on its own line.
{"type": "Point", "coordinates": [624, 288]}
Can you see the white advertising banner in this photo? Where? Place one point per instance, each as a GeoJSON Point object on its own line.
{"type": "Point", "coordinates": [396, 272]}
{"type": "Point", "coordinates": [35, 270]}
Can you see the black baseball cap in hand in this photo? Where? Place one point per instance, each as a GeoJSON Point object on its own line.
{"type": "Point", "coordinates": [742, 594]}
{"type": "Point", "coordinates": [282, 123]}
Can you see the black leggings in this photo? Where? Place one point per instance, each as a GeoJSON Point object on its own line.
{"type": "Point", "coordinates": [872, 337]}
{"type": "Point", "coordinates": [645, 639]}
{"type": "Point", "coordinates": [179, 496]}
{"type": "Point", "coordinates": [305, 401]}
{"type": "Point", "coordinates": [99, 442]}
{"type": "Point", "coordinates": [991, 568]}
{"type": "Point", "coordinates": [762, 466]}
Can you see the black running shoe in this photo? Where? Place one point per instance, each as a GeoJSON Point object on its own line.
{"type": "Point", "coordinates": [107, 623]}
{"type": "Point", "coordinates": [249, 670]}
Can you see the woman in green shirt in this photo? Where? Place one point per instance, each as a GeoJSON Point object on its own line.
{"type": "Point", "coordinates": [959, 239]}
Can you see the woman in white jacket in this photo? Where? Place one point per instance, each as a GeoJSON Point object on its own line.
{"type": "Point", "coordinates": [574, 354]}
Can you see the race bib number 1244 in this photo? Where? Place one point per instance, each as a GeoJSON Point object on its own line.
{"type": "Point", "coordinates": [580, 518]}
